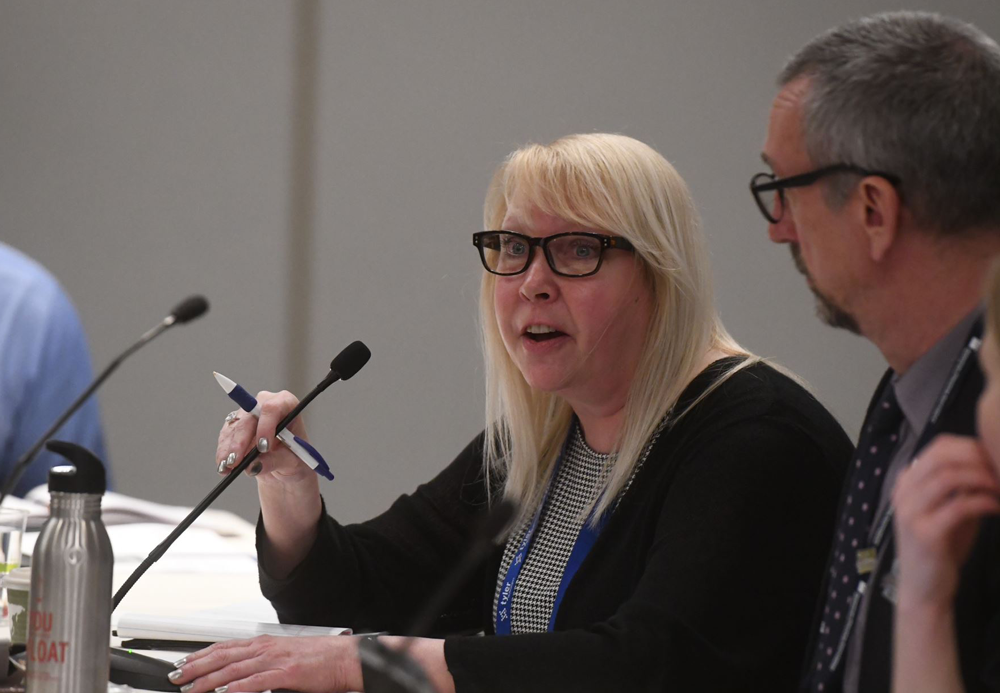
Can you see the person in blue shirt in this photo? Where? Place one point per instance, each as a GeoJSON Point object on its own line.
{"type": "Point", "coordinates": [44, 365]}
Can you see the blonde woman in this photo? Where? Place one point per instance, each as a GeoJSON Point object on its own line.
{"type": "Point", "coordinates": [676, 493]}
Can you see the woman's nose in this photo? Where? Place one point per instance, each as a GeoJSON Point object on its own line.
{"type": "Point", "coordinates": [538, 281]}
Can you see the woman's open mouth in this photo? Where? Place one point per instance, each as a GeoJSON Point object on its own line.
{"type": "Point", "coordinates": [542, 333]}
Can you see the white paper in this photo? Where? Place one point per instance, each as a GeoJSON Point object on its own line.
{"type": "Point", "coordinates": [117, 508]}
{"type": "Point", "coordinates": [209, 629]}
{"type": "Point", "coordinates": [196, 547]}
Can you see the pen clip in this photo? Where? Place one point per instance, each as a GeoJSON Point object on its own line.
{"type": "Point", "coordinates": [322, 468]}
{"type": "Point", "coordinates": [306, 452]}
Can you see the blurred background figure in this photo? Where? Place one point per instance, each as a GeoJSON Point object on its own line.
{"type": "Point", "coordinates": [940, 503]}
{"type": "Point", "coordinates": [44, 365]}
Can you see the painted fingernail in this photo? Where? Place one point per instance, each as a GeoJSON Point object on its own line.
{"type": "Point", "coordinates": [222, 466]}
{"type": "Point", "coordinates": [181, 662]}
{"type": "Point", "coordinates": [186, 688]}
{"type": "Point", "coordinates": [222, 689]}
{"type": "Point", "coordinates": [175, 674]}
{"type": "Point", "coordinates": [231, 460]}
{"type": "Point", "coordinates": [263, 445]}
{"type": "Point", "coordinates": [255, 468]}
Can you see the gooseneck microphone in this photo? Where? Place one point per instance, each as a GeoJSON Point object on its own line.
{"type": "Point", "coordinates": [185, 311]}
{"type": "Point", "coordinates": [348, 362]}
{"type": "Point", "coordinates": [387, 669]}
{"type": "Point", "coordinates": [487, 532]}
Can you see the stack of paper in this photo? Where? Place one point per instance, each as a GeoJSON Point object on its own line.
{"type": "Point", "coordinates": [217, 542]}
{"type": "Point", "coordinates": [117, 508]}
{"type": "Point", "coordinates": [208, 629]}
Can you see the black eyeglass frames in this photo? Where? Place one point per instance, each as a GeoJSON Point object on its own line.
{"type": "Point", "coordinates": [577, 254]}
{"type": "Point", "coordinates": [769, 191]}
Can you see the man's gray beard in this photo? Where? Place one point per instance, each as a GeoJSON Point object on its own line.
{"type": "Point", "coordinates": [827, 311]}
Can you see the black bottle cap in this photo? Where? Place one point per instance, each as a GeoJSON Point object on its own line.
{"type": "Point", "coordinates": [86, 475]}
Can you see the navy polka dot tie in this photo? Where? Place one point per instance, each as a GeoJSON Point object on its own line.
{"type": "Point", "coordinates": [843, 598]}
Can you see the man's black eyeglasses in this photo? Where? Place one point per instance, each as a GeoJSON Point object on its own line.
{"type": "Point", "coordinates": [569, 254]}
{"type": "Point", "coordinates": [769, 191]}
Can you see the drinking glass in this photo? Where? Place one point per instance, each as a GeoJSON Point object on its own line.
{"type": "Point", "coordinates": [12, 524]}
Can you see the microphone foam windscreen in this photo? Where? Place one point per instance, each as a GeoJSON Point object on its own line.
{"type": "Point", "coordinates": [190, 308]}
{"type": "Point", "coordinates": [351, 360]}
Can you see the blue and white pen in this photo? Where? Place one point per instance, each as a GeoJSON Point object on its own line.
{"type": "Point", "coordinates": [303, 450]}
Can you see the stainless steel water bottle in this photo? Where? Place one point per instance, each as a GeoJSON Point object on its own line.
{"type": "Point", "coordinates": [69, 615]}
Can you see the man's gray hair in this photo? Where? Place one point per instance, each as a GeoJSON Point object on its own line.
{"type": "Point", "coordinates": [913, 94]}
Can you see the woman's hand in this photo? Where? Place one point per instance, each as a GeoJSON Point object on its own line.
{"type": "Point", "coordinates": [277, 464]}
{"type": "Point", "coordinates": [290, 502]}
{"type": "Point", "coordinates": [312, 664]}
{"type": "Point", "coordinates": [938, 503]}
{"type": "Point", "coordinates": [320, 664]}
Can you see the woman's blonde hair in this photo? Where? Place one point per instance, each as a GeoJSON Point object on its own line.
{"type": "Point", "coordinates": [623, 187]}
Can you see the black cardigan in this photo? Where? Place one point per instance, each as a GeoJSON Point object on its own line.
{"type": "Point", "coordinates": [704, 579]}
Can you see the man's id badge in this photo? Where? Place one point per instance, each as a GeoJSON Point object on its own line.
{"type": "Point", "coordinates": [866, 560]}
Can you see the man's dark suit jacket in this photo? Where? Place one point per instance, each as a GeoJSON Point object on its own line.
{"type": "Point", "coordinates": [977, 605]}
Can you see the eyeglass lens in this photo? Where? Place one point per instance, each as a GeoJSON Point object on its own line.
{"type": "Point", "coordinates": [572, 254]}
{"type": "Point", "coordinates": [769, 201]}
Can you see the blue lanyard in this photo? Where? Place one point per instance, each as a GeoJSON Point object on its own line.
{"type": "Point", "coordinates": [584, 542]}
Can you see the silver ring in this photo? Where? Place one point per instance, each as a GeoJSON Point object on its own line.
{"type": "Point", "coordinates": [232, 417]}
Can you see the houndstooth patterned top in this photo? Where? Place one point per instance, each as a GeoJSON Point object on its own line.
{"type": "Point", "coordinates": [582, 472]}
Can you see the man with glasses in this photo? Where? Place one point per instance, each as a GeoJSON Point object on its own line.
{"type": "Point", "coordinates": [884, 155]}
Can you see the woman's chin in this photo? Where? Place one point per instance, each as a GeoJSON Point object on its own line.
{"type": "Point", "coordinates": [546, 380]}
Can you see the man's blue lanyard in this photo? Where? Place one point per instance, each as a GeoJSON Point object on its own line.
{"type": "Point", "coordinates": [584, 542]}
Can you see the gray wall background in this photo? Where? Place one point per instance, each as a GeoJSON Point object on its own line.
{"type": "Point", "coordinates": [316, 169]}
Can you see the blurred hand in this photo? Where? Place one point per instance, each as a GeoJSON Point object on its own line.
{"type": "Point", "coordinates": [938, 503]}
{"type": "Point", "coordinates": [309, 665]}
{"type": "Point", "coordinates": [277, 466]}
